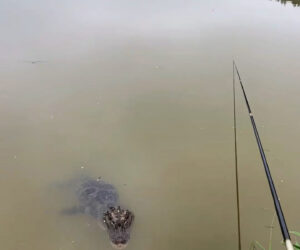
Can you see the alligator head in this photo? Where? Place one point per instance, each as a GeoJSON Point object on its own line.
{"type": "Point", "coordinates": [118, 223]}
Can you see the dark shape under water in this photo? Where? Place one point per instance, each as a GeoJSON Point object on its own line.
{"type": "Point", "coordinates": [100, 200]}
{"type": "Point", "coordinates": [296, 3]}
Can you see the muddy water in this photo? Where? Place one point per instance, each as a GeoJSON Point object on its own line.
{"type": "Point", "coordinates": [139, 93]}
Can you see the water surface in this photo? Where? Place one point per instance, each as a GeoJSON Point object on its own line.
{"type": "Point", "coordinates": [139, 93]}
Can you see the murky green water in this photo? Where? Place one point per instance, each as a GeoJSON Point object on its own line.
{"type": "Point", "coordinates": [139, 93]}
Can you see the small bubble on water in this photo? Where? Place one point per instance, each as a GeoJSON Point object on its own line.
{"type": "Point", "coordinates": [281, 181]}
{"type": "Point", "coordinates": [82, 167]}
{"type": "Point", "coordinates": [15, 157]}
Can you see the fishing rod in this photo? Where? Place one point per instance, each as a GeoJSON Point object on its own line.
{"type": "Point", "coordinates": [280, 216]}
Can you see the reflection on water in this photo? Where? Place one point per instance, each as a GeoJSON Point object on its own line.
{"type": "Point", "coordinates": [294, 2]}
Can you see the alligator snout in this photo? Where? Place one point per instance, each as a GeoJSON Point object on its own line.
{"type": "Point", "coordinates": [119, 242]}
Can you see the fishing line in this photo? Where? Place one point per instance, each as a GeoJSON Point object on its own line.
{"type": "Point", "coordinates": [236, 163]}
{"type": "Point", "coordinates": [278, 209]}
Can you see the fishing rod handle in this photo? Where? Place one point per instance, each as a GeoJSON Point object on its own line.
{"type": "Point", "coordinates": [289, 245]}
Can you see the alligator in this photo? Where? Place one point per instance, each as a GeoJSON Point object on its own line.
{"type": "Point", "coordinates": [101, 201]}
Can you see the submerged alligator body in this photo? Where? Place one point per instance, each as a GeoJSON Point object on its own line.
{"type": "Point", "coordinates": [101, 201]}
